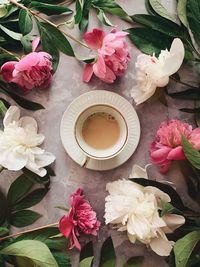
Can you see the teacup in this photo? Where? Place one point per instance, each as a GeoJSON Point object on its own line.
{"type": "Point", "coordinates": [101, 132]}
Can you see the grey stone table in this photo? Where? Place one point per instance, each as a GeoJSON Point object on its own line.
{"type": "Point", "coordinates": [67, 85]}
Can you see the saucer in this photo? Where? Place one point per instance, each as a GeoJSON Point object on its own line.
{"type": "Point", "coordinates": [95, 98]}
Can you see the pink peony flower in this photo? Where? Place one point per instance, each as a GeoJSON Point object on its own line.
{"type": "Point", "coordinates": [112, 55]}
{"type": "Point", "coordinates": [81, 219]}
{"type": "Point", "coordinates": [32, 71]}
{"type": "Point", "coordinates": [168, 143]}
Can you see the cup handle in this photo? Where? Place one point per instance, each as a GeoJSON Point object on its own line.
{"type": "Point", "coordinates": [85, 161]}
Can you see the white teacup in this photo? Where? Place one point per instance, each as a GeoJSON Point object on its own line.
{"type": "Point", "coordinates": [105, 153]}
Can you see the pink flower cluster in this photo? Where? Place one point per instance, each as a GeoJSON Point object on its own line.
{"type": "Point", "coordinates": [81, 219]}
{"type": "Point", "coordinates": [32, 71]}
{"type": "Point", "coordinates": [168, 143]}
{"type": "Point", "coordinates": [112, 55]}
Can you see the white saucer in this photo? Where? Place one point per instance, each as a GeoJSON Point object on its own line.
{"type": "Point", "coordinates": [92, 98]}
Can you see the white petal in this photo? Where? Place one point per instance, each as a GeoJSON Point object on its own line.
{"type": "Point", "coordinates": [12, 160]}
{"type": "Point", "coordinates": [29, 124]}
{"type": "Point", "coordinates": [175, 60]}
{"type": "Point", "coordinates": [44, 159]}
{"type": "Point", "coordinates": [12, 114]}
{"type": "Point", "coordinates": [161, 246]}
{"type": "Point", "coordinates": [173, 221]}
{"type": "Point", "coordinates": [132, 238]}
{"type": "Point", "coordinates": [139, 172]}
{"type": "Point", "coordinates": [142, 93]}
{"type": "Point", "coordinates": [158, 193]}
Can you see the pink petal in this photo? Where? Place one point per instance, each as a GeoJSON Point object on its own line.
{"type": "Point", "coordinates": [35, 43]}
{"type": "Point", "coordinates": [99, 67]}
{"type": "Point", "coordinates": [94, 39]}
{"type": "Point", "coordinates": [28, 61]}
{"type": "Point", "coordinates": [87, 73]}
{"type": "Point", "coordinates": [176, 154]}
{"type": "Point", "coordinates": [7, 70]}
{"type": "Point", "coordinates": [109, 76]}
{"type": "Point", "coordinates": [160, 155]}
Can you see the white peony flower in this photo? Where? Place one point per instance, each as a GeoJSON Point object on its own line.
{"type": "Point", "coordinates": [152, 72]}
{"type": "Point", "coordinates": [134, 208]}
{"type": "Point", "coordinates": [19, 143]}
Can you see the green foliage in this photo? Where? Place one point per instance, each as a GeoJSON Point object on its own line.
{"type": "Point", "coordinates": [50, 9]}
{"type": "Point", "coordinates": [108, 257]}
{"type": "Point", "coordinates": [135, 262]}
{"type": "Point", "coordinates": [25, 22]}
{"type": "Point", "coordinates": [184, 247]}
{"type": "Point", "coordinates": [31, 252]}
{"type": "Point", "coordinates": [161, 10]}
{"type": "Point", "coordinates": [191, 153]}
{"type": "Point", "coordinates": [24, 218]}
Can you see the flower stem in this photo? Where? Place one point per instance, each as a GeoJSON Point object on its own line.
{"type": "Point", "coordinates": [47, 21]}
{"type": "Point", "coordinates": [29, 231]}
{"type": "Point", "coordinates": [183, 83]}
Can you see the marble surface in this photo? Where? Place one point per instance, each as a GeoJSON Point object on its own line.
{"type": "Point", "coordinates": [67, 85]}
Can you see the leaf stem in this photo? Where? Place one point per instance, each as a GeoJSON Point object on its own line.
{"type": "Point", "coordinates": [183, 83]}
{"type": "Point", "coordinates": [47, 21]}
{"type": "Point", "coordinates": [29, 231]}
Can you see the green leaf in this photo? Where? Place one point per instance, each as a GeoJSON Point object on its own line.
{"type": "Point", "coordinates": [57, 243]}
{"type": "Point", "coordinates": [24, 218]}
{"type": "Point", "coordinates": [86, 251]}
{"type": "Point", "coordinates": [49, 46]}
{"type": "Point", "coordinates": [111, 7]}
{"type": "Point", "coordinates": [31, 199]}
{"type": "Point", "coordinates": [32, 250]}
{"type": "Point", "coordinates": [189, 94]}
{"type": "Point", "coordinates": [49, 9]}
{"type": "Point", "coordinates": [193, 16]}
{"type": "Point", "coordinates": [102, 17]}
{"type": "Point", "coordinates": [149, 8]}
{"type": "Point", "coordinates": [135, 262]}
{"type": "Point", "coordinates": [3, 231]}
{"type": "Point", "coordinates": [79, 9]}
{"type": "Point", "coordinates": [3, 208]}
{"type": "Point", "coordinates": [161, 10]}
{"type": "Point", "coordinates": [62, 259]}
{"type": "Point", "coordinates": [36, 179]}
{"type": "Point", "coordinates": [169, 208]}
{"type": "Point", "coordinates": [14, 35]}
{"type": "Point", "coordinates": [87, 262]}
{"type": "Point", "coordinates": [181, 10]}
{"type": "Point", "coordinates": [21, 101]}
{"type": "Point", "coordinates": [25, 22]}
{"type": "Point", "coordinates": [3, 11]}
{"type": "Point", "coordinates": [160, 24]}
{"type": "Point", "coordinates": [108, 257]}
{"type": "Point", "coordinates": [191, 153]}
{"type": "Point", "coordinates": [57, 38]}
{"type": "Point", "coordinates": [184, 247]}
{"type": "Point", "coordinates": [27, 43]}
{"type": "Point", "coordinates": [85, 15]}
{"type": "Point", "coordinates": [149, 41]}
{"type": "Point", "coordinates": [19, 188]}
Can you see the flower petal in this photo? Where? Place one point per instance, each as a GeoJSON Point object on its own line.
{"type": "Point", "coordinates": [175, 60]}
{"type": "Point", "coordinates": [94, 39]}
{"type": "Point", "coordinates": [99, 67]}
{"type": "Point", "coordinates": [44, 159]}
{"type": "Point", "coordinates": [12, 160]}
{"type": "Point", "coordinates": [35, 43]}
{"type": "Point", "coordinates": [161, 246]}
{"type": "Point", "coordinates": [176, 154]}
{"type": "Point", "coordinates": [87, 74]}
{"type": "Point", "coordinates": [139, 172]}
{"type": "Point", "coordinates": [7, 71]}
{"type": "Point", "coordinates": [12, 114]}
{"type": "Point", "coordinates": [173, 221]}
